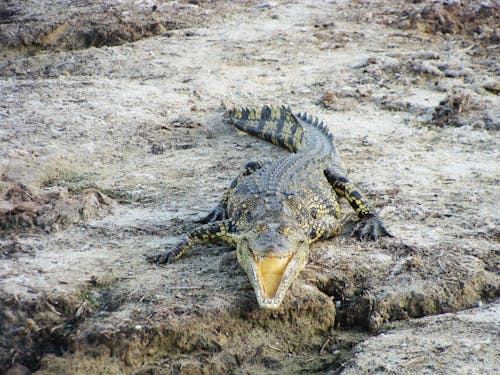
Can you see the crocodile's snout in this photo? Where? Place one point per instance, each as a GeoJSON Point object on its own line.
{"type": "Point", "coordinates": [272, 258]}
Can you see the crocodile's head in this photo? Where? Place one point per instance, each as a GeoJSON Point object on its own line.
{"type": "Point", "coordinates": [272, 254]}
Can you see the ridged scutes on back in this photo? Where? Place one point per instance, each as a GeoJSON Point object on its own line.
{"type": "Point", "coordinates": [314, 121]}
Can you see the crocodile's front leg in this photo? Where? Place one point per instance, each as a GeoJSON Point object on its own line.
{"type": "Point", "coordinates": [371, 225]}
{"type": "Point", "coordinates": [211, 232]}
{"type": "Point", "coordinates": [328, 226]}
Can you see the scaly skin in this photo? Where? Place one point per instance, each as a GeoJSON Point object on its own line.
{"type": "Point", "coordinates": [273, 211]}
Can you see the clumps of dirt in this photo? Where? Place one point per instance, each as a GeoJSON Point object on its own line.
{"type": "Point", "coordinates": [172, 135]}
{"type": "Point", "coordinates": [466, 104]}
{"type": "Point", "coordinates": [411, 68]}
{"type": "Point", "coordinates": [49, 209]}
{"type": "Point", "coordinates": [308, 309]}
{"type": "Point", "coordinates": [344, 99]}
{"type": "Point", "coordinates": [470, 19]}
{"type": "Point", "coordinates": [397, 104]}
{"type": "Point", "coordinates": [67, 36]}
{"type": "Point", "coordinates": [107, 26]}
{"type": "Point", "coordinates": [99, 24]}
{"type": "Point", "coordinates": [492, 86]}
{"type": "Point", "coordinates": [462, 283]}
{"type": "Point", "coordinates": [333, 39]}
{"type": "Point", "coordinates": [59, 26]}
{"type": "Point", "coordinates": [202, 340]}
{"type": "Point", "coordinates": [367, 296]}
{"type": "Point", "coordinates": [35, 326]}
{"type": "Point", "coordinates": [461, 108]}
{"type": "Point", "coordinates": [29, 328]}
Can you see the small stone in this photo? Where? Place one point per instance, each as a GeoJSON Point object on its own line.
{"type": "Point", "coordinates": [157, 149]}
{"type": "Point", "coordinates": [492, 86]}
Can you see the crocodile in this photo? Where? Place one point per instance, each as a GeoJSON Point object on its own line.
{"type": "Point", "coordinates": [274, 210]}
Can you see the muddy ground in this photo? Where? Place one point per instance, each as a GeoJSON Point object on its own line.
{"type": "Point", "coordinates": [113, 144]}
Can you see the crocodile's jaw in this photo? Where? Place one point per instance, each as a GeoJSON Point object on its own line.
{"type": "Point", "coordinates": [271, 277]}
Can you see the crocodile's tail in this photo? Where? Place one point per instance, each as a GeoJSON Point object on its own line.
{"type": "Point", "coordinates": [313, 121]}
{"type": "Point", "coordinates": [277, 125]}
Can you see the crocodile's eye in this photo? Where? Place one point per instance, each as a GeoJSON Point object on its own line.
{"type": "Point", "coordinates": [249, 216]}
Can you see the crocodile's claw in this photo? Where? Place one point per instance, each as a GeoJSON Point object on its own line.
{"type": "Point", "coordinates": [371, 229]}
{"type": "Point", "coordinates": [166, 257]}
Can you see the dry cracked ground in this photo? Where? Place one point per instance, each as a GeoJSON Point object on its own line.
{"type": "Point", "coordinates": [113, 144]}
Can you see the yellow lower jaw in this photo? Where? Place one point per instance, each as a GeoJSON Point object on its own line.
{"type": "Point", "coordinates": [271, 271]}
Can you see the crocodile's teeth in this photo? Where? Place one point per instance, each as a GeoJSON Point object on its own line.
{"type": "Point", "coordinates": [270, 271]}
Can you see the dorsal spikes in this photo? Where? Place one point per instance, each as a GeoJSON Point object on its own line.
{"type": "Point", "coordinates": [266, 113]}
{"type": "Point", "coordinates": [314, 121]}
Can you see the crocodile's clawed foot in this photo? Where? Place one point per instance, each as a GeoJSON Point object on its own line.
{"type": "Point", "coordinates": [166, 257]}
{"type": "Point", "coordinates": [371, 229]}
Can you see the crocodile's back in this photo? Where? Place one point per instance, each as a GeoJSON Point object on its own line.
{"type": "Point", "coordinates": [293, 186]}
{"type": "Point", "coordinates": [303, 202]}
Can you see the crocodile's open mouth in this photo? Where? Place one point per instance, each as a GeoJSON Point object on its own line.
{"type": "Point", "coordinates": [270, 271]}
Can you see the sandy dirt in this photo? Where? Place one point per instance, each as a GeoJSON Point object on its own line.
{"type": "Point", "coordinates": [112, 151]}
